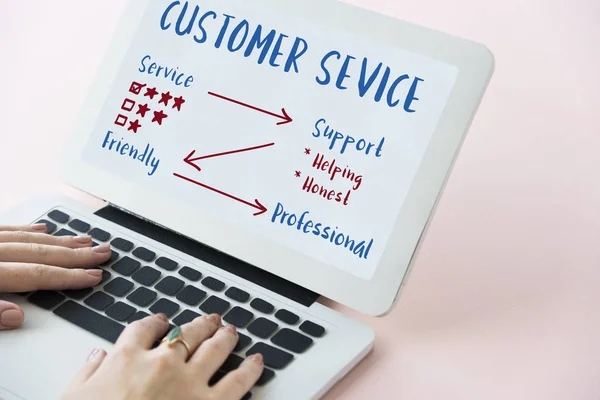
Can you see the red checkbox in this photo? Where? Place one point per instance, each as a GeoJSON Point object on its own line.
{"type": "Point", "coordinates": [128, 105]}
{"type": "Point", "coordinates": [136, 87]}
{"type": "Point", "coordinates": [121, 120]}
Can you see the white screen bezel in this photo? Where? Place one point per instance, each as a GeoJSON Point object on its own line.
{"type": "Point", "coordinates": [475, 65]}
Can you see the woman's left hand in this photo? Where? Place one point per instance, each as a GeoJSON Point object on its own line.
{"type": "Point", "coordinates": [32, 260]}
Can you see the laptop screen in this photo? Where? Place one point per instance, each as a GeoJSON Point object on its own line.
{"type": "Point", "coordinates": [306, 135]}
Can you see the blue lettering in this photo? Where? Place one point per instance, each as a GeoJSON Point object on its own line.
{"type": "Point", "coordinates": [223, 30]}
{"type": "Point", "coordinates": [278, 211]}
{"type": "Point", "coordinates": [363, 87]}
{"type": "Point", "coordinates": [276, 52]}
{"type": "Point", "coordinates": [163, 20]}
{"type": "Point", "coordinates": [318, 132]}
{"type": "Point", "coordinates": [143, 68]}
{"type": "Point", "coordinates": [190, 24]}
{"type": "Point", "coordinates": [125, 149]}
{"type": "Point", "coordinates": [200, 22]}
{"type": "Point", "coordinates": [327, 79]}
{"type": "Point", "coordinates": [390, 96]}
{"type": "Point", "coordinates": [257, 43]}
{"type": "Point", "coordinates": [242, 25]}
{"type": "Point", "coordinates": [411, 96]}
{"type": "Point", "coordinates": [295, 54]}
{"type": "Point", "coordinates": [343, 75]}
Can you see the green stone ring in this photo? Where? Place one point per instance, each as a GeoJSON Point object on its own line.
{"type": "Point", "coordinates": [174, 337]}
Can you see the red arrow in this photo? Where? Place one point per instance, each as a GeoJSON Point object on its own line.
{"type": "Point", "coordinates": [261, 209]}
{"type": "Point", "coordinates": [285, 117]}
{"type": "Point", "coordinates": [190, 161]}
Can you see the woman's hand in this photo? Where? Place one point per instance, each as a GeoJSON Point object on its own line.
{"type": "Point", "coordinates": [32, 260]}
{"type": "Point", "coordinates": [135, 371]}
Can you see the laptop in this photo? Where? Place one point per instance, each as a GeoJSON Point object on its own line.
{"type": "Point", "coordinates": [252, 157]}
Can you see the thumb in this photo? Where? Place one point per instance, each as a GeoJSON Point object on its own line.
{"type": "Point", "coordinates": [11, 316]}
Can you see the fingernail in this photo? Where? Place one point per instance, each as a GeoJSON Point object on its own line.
{"type": "Point", "coordinates": [95, 272]}
{"type": "Point", "coordinates": [39, 227]}
{"type": "Point", "coordinates": [162, 316]}
{"type": "Point", "coordinates": [93, 354]}
{"type": "Point", "coordinates": [230, 329]}
{"type": "Point", "coordinates": [11, 319]}
{"type": "Point", "coordinates": [257, 358]}
{"type": "Point", "coordinates": [82, 239]}
{"type": "Point", "coordinates": [104, 248]}
{"type": "Point", "coordinates": [216, 318]}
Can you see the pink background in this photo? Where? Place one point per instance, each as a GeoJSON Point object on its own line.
{"type": "Point", "coordinates": [504, 301]}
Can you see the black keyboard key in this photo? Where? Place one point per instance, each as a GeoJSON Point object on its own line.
{"type": "Point", "coordinates": [190, 274]}
{"type": "Point", "coordinates": [142, 297]}
{"type": "Point", "coordinates": [238, 317]}
{"type": "Point", "coordinates": [126, 266]}
{"type": "Point", "coordinates": [46, 299]}
{"type": "Point", "coordinates": [78, 294]}
{"type": "Point", "coordinates": [137, 316]}
{"type": "Point", "coordinates": [191, 296]}
{"type": "Point", "coordinates": [120, 311]}
{"type": "Point", "coordinates": [262, 327]}
{"type": "Point", "coordinates": [65, 232]}
{"type": "Point", "coordinates": [99, 234]}
{"type": "Point", "coordinates": [213, 284]}
{"type": "Point", "coordinates": [58, 216]}
{"type": "Point", "coordinates": [166, 263]}
{"type": "Point", "coordinates": [105, 277]}
{"type": "Point", "coordinates": [237, 294]}
{"type": "Point", "coordinates": [216, 378]}
{"type": "Point", "coordinates": [122, 244]}
{"type": "Point", "coordinates": [292, 340]}
{"type": "Point", "coordinates": [144, 254]}
{"type": "Point", "coordinates": [262, 306]}
{"type": "Point", "coordinates": [50, 226]}
{"type": "Point", "coordinates": [247, 396]}
{"type": "Point", "coordinates": [243, 342]}
{"type": "Point", "coordinates": [214, 305]}
{"type": "Point", "coordinates": [312, 329]}
{"type": "Point", "coordinates": [273, 357]}
{"type": "Point", "coordinates": [185, 317]}
{"type": "Point", "coordinates": [265, 377]}
{"type": "Point", "coordinates": [89, 320]}
{"type": "Point", "coordinates": [113, 256]}
{"type": "Point", "coordinates": [79, 225]}
{"type": "Point", "coordinates": [231, 363]}
{"type": "Point", "coordinates": [99, 301]}
{"type": "Point", "coordinates": [165, 306]}
{"type": "Point", "coordinates": [118, 287]}
{"type": "Point", "coordinates": [169, 286]}
{"type": "Point", "coordinates": [287, 317]}
{"type": "Point", "coordinates": [146, 276]}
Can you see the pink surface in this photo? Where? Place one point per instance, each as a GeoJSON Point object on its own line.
{"type": "Point", "coordinates": [504, 302]}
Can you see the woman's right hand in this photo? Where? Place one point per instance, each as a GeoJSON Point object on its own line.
{"type": "Point", "coordinates": [134, 370]}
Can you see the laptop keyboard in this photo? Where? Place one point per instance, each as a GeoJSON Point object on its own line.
{"type": "Point", "coordinates": [138, 281]}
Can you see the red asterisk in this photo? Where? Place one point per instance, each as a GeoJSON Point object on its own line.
{"type": "Point", "coordinates": [178, 102]}
{"type": "Point", "coordinates": [165, 97]}
{"type": "Point", "coordinates": [134, 126]}
{"type": "Point", "coordinates": [298, 173]}
{"type": "Point", "coordinates": [143, 109]}
{"type": "Point", "coordinates": [307, 151]}
{"type": "Point", "coordinates": [151, 92]}
{"type": "Point", "coordinates": [159, 116]}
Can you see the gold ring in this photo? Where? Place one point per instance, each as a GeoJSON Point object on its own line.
{"type": "Point", "coordinates": [175, 337]}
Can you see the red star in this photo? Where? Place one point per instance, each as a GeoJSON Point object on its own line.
{"type": "Point", "coordinates": [159, 116]}
{"type": "Point", "coordinates": [143, 109]}
{"type": "Point", "coordinates": [178, 102]}
{"type": "Point", "coordinates": [298, 173]}
{"type": "Point", "coordinates": [134, 126]}
{"type": "Point", "coordinates": [151, 92]}
{"type": "Point", "coordinates": [165, 97]}
{"type": "Point", "coordinates": [307, 151]}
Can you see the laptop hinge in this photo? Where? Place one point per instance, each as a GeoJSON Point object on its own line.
{"type": "Point", "coordinates": [208, 254]}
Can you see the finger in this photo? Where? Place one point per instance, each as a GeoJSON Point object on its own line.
{"type": "Point", "coordinates": [214, 351]}
{"type": "Point", "coordinates": [25, 228]}
{"type": "Point", "coordinates": [194, 333]}
{"type": "Point", "coordinates": [144, 332]}
{"type": "Point", "coordinates": [239, 381]}
{"type": "Point", "coordinates": [73, 242]}
{"type": "Point", "coordinates": [11, 316]}
{"type": "Point", "coordinates": [54, 255]}
{"type": "Point", "coordinates": [19, 277]}
{"type": "Point", "coordinates": [91, 365]}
